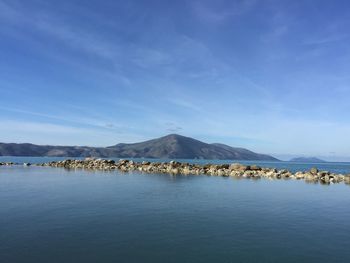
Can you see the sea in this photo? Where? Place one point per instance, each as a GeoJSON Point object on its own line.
{"type": "Point", "coordinates": [57, 215]}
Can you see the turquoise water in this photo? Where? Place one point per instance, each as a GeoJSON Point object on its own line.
{"type": "Point", "coordinates": [55, 215]}
{"type": "Point", "coordinates": [335, 167]}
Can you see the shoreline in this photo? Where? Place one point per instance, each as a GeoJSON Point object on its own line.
{"type": "Point", "coordinates": [174, 167]}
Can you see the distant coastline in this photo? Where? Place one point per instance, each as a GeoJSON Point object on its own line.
{"type": "Point", "coordinates": [307, 160]}
{"type": "Point", "coordinates": [172, 146]}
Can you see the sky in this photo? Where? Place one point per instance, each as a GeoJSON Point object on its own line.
{"type": "Point", "coordinates": [268, 75]}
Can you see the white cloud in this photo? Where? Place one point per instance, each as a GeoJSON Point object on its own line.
{"type": "Point", "coordinates": [39, 127]}
{"type": "Point", "coordinates": [29, 25]}
{"type": "Point", "coordinates": [182, 103]}
{"type": "Point", "coordinates": [147, 57]}
{"type": "Point", "coordinates": [55, 134]}
{"type": "Point", "coordinates": [325, 39]}
{"type": "Point", "coordinates": [54, 26]}
{"type": "Point", "coordinates": [83, 119]}
{"type": "Point", "coordinates": [227, 10]}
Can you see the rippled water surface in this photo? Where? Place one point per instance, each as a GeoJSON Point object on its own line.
{"type": "Point", "coordinates": [54, 215]}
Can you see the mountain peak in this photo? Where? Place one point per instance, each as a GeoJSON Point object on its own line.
{"type": "Point", "coordinates": [175, 146]}
{"type": "Point", "coordinates": [174, 136]}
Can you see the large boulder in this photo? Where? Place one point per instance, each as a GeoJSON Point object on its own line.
{"type": "Point", "coordinates": [314, 171]}
{"type": "Point", "coordinates": [347, 179]}
{"type": "Point", "coordinates": [239, 167]}
{"type": "Point", "coordinates": [299, 175]}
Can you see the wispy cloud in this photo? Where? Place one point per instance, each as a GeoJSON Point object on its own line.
{"type": "Point", "coordinates": [334, 31]}
{"type": "Point", "coordinates": [80, 43]}
{"type": "Point", "coordinates": [180, 102]}
{"type": "Point", "coordinates": [326, 39]}
{"type": "Point", "coordinates": [275, 33]}
{"type": "Point", "coordinates": [70, 119]}
{"type": "Point", "coordinates": [39, 127]}
{"type": "Point", "coordinates": [221, 11]}
{"type": "Point", "coordinates": [48, 23]}
{"type": "Point", "coordinates": [173, 127]}
{"type": "Point", "coordinates": [147, 57]}
{"type": "Point", "coordinates": [254, 73]}
{"type": "Point", "coordinates": [56, 134]}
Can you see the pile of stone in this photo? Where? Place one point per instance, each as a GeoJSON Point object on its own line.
{"type": "Point", "coordinates": [6, 163]}
{"type": "Point", "coordinates": [173, 167]}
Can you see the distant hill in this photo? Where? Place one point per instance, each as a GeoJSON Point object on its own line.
{"type": "Point", "coordinates": [172, 146]}
{"type": "Point", "coordinates": [307, 160]}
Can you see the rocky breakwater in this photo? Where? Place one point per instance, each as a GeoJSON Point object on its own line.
{"type": "Point", "coordinates": [232, 170]}
{"type": "Point", "coordinates": [6, 163]}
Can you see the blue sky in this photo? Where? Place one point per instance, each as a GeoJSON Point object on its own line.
{"type": "Point", "coordinates": [271, 76]}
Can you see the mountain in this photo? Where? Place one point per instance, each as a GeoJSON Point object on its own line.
{"type": "Point", "coordinates": [307, 160]}
{"type": "Point", "coordinates": [28, 149]}
{"type": "Point", "coordinates": [172, 146]}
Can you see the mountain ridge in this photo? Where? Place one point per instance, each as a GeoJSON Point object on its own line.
{"type": "Point", "coordinates": [172, 146]}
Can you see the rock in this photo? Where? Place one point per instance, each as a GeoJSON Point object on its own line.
{"type": "Point", "coordinates": [221, 172]}
{"type": "Point", "coordinates": [347, 179]}
{"type": "Point", "coordinates": [173, 167]}
{"type": "Point", "coordinates": [326, 179]}
{"type": "Point", "coordinates": [271, 173]}
{"type": "Point", "coordinates": [278, 175]}
{"type": "Point", "coordinates": [174, 164]}
{"type": "Point", "coordinates": [224, 166]}
{"type": "Point", "coordinates": [314, 171]}
{"type": "Point", "coordinates": [340, 177]}
{"type": "Point", "coordinates": [323, 173]}
{"type": "Point", "coordinates": [186, 170]}
{"type": "Point", "coordinates": [239, 167]}
{"type": "Point", "coordinates": [310, 177]}
{"type": "Point", "coordinates": [121, 161]}
{"type": "Point", "coordinates": [234, 166]}
{"type": "Point", "coordinates": [255, 168]}
{"type": "Point", "coordinates": [299, 175]}
{"type": "Point", "coordinates": [175, 171]}
{"type": "Point", "coordinates": [287, 174]}
{"type": "Point", "coordinates": [27, 164]}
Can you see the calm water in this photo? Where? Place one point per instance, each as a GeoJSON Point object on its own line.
{"type": "Point", "coordinates": [54, 215]}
